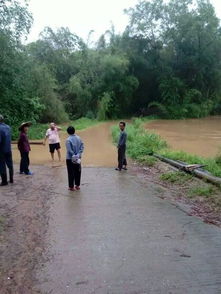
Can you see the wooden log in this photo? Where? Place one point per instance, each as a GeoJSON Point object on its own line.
{"type": "Point", "coordinates": [31, 143]}
{"type": "Point", "coordinates": [198, 172]}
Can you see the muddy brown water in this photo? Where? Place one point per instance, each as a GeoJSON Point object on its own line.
{"type": "Point", "coordinates": [196, 136]}
{"type": "Point", "coordinates": [99, 149]}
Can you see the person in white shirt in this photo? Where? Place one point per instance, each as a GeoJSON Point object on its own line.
{"type": "Point", "coordinates": [52, 135]}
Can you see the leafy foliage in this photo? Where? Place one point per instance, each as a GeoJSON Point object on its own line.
{"type": "Point", "coordinates": [167, 62]}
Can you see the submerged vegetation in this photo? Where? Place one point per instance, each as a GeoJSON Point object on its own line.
{"type": "Point", "coordinates": [166, 62]}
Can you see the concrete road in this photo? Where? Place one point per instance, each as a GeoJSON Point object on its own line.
{"type": "Point", "coordinates": [116, 236]}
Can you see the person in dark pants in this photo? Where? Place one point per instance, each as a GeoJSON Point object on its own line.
{"type": "Point", "coordinates": [5, 153]}
{"type": "Point", "coordinates": [24, 148]}
{"type": "Point", "coordinates": [75, 148]}
{"type": "Point", "coordinates": [122, 161]}
{"type": "Point", "coordinates": [52, 135]}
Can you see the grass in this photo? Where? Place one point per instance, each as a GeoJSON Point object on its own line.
{"type": "Point", "coordinates": [148, 160]}
{"type": "Point", "coordinates": [37, 131]}
{"type": "Point", "coordinates": [142, 142]}
{"type": "Point", "coordinates": [210, 163]}
{"type": "Point", "coordinates": [206, 191]}
{"type": "Point", "coordinates": [84, 123]}
{"type": "Point", "coordinates": [208, 195]}
{"type": "Point", "coordinates": [176, 177]}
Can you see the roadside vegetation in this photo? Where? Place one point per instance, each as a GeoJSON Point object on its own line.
{"type": "Point", "coordinates": [176, 177]}
{"type": "Point", "coordinates": [204, 198]}
{"type": "Point", "coordinates": [142, 143]}
{"type": "Point", "coordinates": [206, 191]}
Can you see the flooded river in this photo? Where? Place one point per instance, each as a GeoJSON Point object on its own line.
{"type": "Point", "coordinates": [197, 136]}
{"type": "Point", "coordinates": [99, 149]}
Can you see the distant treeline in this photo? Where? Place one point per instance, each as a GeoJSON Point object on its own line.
{"type": "Point", "coordinates": [167, 62]}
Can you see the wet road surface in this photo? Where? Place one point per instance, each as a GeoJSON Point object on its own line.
{"type": "Point", "coordinates": [116, 237]}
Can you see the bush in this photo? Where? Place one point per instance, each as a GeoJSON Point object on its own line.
{"type": "Point", "coordinates": [103, 107]}
{"type": "Point", "coordinates": [90, 115]}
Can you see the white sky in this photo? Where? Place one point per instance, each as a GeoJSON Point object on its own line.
{"type": "Point", "coordinates": [81, 16]}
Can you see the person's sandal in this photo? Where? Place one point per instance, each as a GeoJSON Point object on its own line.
{"type": "Point", "coordinates": [71, 189]}
{"type": "Point", "coordinates": [77, 188]}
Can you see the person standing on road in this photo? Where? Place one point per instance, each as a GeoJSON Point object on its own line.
{"type": "Point", "coordinates": [24, 148]}
{"type": "Point", "coordinates": [122, 161]}
{"type": "Point", "coordinates": [75, 148]}
{"type": "Point", "coordinates": [5, 152]}
{"type": "Point", "coordinates": [54, 141]}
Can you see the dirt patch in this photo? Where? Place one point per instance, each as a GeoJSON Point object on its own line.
{"type": "Point", "coordinates": [208, 208]}
{"type": "Point", "coordinates": [24, 210]}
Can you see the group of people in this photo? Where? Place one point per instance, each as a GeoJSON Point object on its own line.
{"type": "Point", "coordinates": [74, 150]}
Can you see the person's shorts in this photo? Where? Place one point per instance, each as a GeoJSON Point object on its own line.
{"type": "Point", "coordinates": [53, 147]}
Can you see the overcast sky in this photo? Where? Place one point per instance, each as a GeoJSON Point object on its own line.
{"type": "Point", "coordinates": [81, 16]}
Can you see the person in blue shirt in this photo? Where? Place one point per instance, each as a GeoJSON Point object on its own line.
{"type": "Point", "coordinates": [122, 161]}
{"type": "Point", "coordinates": [5, 152]}
{"type": "Point", "coordinates": [75, 148]}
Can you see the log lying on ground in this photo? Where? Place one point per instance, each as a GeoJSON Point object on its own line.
{"type": "Point", "coordinates": [30, 142]}
{"type": "Point", "coordinates": [197, 171]}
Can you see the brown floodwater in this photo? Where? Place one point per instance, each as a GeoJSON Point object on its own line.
{"type": "Point", "coordinates": [197, 136]}
{"type": "Point", "coordinates": [99, 149]}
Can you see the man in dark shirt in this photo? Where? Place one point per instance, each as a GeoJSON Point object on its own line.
{"type": "Point", "coordinates": [122, 161]}
{"type": "Point", "coordinates": [5, 152]}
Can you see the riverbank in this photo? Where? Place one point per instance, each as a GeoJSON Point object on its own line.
{"type": "Point", "coordinates": [205, 198]}
{"type": "Point", "coordinates": [143, 142]}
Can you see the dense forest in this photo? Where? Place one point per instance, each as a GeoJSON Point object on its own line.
{"type": "Point", "coordinates": [167, 62]}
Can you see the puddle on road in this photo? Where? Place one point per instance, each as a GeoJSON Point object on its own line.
{"type": "Point", "coordinates": [196, 136]}
{"type": "Point", "coordinates": [99, 149]}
